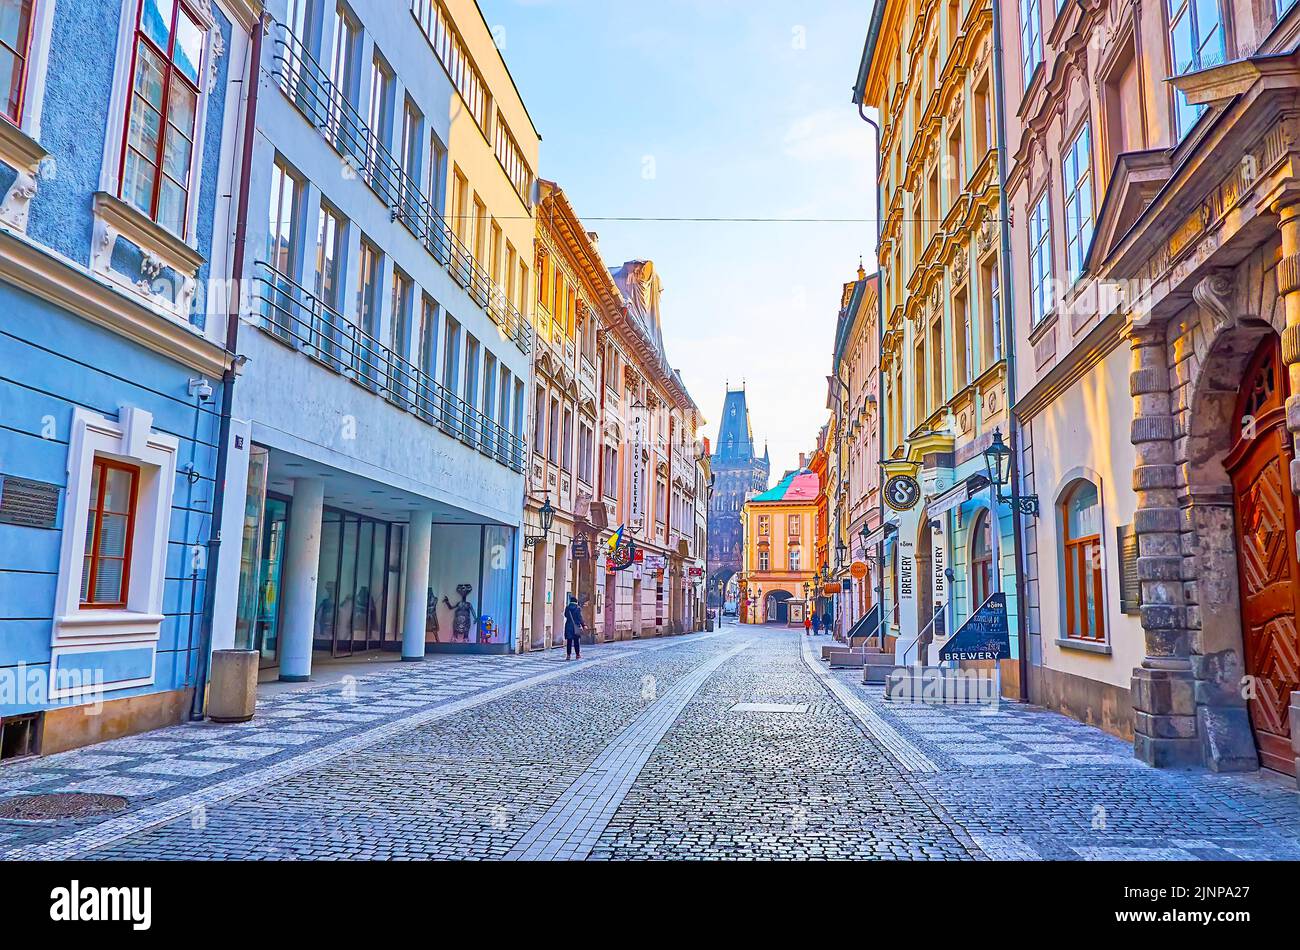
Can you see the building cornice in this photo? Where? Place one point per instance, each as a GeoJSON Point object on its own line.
{"type": "Point", "coordinates": [43, 274]}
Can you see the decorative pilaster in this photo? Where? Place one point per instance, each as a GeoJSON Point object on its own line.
{"type": "Point", "coordinates": [1163, 690]}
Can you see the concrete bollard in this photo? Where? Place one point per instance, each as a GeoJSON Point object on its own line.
{"type": "Point", "coordinates": [232, 693]}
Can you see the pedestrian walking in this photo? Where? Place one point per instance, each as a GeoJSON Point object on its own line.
{"type": "Point", "coordinates": [826, 623]}
{"type": "Point", "coordinates": [573, 627]}
{"type": "Point", "coordinates": [816, 623]}
{"type": "Point", "coordinates": [807, 627]}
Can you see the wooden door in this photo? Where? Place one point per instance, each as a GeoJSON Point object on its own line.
{"type": "Point", "coordinates": [1268, 570]}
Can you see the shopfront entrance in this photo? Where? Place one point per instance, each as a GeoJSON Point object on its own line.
{"type": "Point", "coordinates": [359, 585]}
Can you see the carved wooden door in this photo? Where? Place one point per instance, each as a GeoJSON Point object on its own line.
{"type": "Point", "coordinates": [1267, 566]}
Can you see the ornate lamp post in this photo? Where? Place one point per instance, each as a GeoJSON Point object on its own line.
{"type": "Point", "coordinates": [547, 513]}
{"type": "Point", "coordinates": [997, 464]}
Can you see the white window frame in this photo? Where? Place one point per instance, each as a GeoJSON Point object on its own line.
{"type": "Point", "coordinates": [1076, 179]}
{"type": "Point", "coordinates": [133, 440]}
{"type": "Point", "coordinates": [20, 144]}
{"type": "Point", "coordinates": [1031, 38]}
{"type": "Point", "coordinates": [1041, 299]}
{"type": "Point", "coordinates": [119, 99]}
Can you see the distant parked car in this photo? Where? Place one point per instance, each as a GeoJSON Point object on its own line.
{"type": "Point", "coordinates": [729, 610]}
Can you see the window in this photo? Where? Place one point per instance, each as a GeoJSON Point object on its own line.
{"type": "Point", "coordinates": [764, 525]}
{"type": "Point", "coordinates": [368, 288]}
{"type": "Point", "coordinates": [792, 525]}
{"type": "Point", "coordinates": [1196, 38]}
{"type": "Point", "coordinates": [110, 521]}
{"type": "Point", "coordinates": [428, 354]}
{"type": "Point", "coordinates": [1082, 555]}
{"type": "Point", "coordinates": [763, 560]}
{"type": "Point", "coordinates": [282, 235]}
{"type": "Point", "coordinates": [399, 333]}
{"type": "Point", "coordinates": [1076, 171]}
{"type": "Point", "coordinates": [471, 371]}
{"type": "Point", "coordinates": [512, 161]}
{"type": "Point", "coordinates": [585, 446]}
{"type": "Point", "coordinates": [412, 153]}
{"type": "Point", "coordinates": [794, 560]}
{"type": "Point", "coordinates": [15, 45]}
{"type": "Point", "coordinates": [450, 370]}
{"type": "Point", "coordinates": [330, 231]}
{"type": "Point", "coordinates": [981, 559]}
{"type": "Point", "coordinates": [343, 71]}
{"type": "Point", "coordinates": [162, 112]}
{"type": "Point", "coordinates": [567, 449]}
{"type": "Point", "coordinates": [1031, 38]}
{"type": "Point", "coordinates": [553, 425]}
{"type": "Point", "coordinates": [1040, 259]}
{"type": "Point", "coordinates": [962, 361]}
{"type": "Point", "coordinates": [380, 119]}
{"type": "Point", "coordinates": [539, 419]}
{"type": "Point", "coordinates": [451, 52]}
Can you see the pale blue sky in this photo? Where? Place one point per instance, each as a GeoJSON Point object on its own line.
{"type": "Point", "coordinates": [729, 108]}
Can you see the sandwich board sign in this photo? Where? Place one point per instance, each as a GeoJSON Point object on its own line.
{"type": "Point", "coordinates": [985, 636]}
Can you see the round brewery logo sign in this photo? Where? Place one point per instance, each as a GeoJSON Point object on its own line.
{"type": "Point", "coordinates": [902, 492]}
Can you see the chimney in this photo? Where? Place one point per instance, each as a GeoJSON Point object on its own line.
{"type": "Point", "coordinates": [803, 461]}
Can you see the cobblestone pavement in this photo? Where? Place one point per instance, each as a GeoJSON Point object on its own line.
{"type": "Point", "coordinates": [735, 745]}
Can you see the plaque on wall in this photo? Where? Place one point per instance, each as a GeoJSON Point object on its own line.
{"type": "Point", "coordinates": [27, 502]}
{"type": "Point", "coordinates": [1130, 587]}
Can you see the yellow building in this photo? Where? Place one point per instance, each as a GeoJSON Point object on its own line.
{"type": "Point", "coordinates": [780, 537]}
{"type": "Point", "coordinates": [928, 68]}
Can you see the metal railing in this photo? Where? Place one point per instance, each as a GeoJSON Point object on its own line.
{"type": "Point", "coordinates": [299, 318]}
{"type": "Point", "coordinates": [305, 84]}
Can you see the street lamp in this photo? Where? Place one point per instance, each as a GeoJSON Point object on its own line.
{"type": "Point", "coordinates": [997, 464]}
{"type": "Point", "coordinates": [547, 513]}
{"type": "Point", "coordinates": [841, 553]}
{"type": "Point", "coordinates": [826, 574]}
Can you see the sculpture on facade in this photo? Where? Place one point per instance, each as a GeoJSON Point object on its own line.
{"type": "Point", "coordinates": [463, 614]}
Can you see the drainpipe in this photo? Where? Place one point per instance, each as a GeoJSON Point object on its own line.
{"type": "Point", "coordinates": [228, 377]}
{"type": "Point", "coordinates": [880, 371]}
{"type": "Point", "coordinates": [1009, 349]}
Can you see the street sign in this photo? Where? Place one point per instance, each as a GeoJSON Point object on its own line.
{"type": "Point", "coordinates": [858, 569]}
{"type": "Point", "coordinates": [985, 636]}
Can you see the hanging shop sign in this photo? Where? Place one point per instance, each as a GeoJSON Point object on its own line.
{"type": "Point", "coordinates": [858, 569]}
{"type": "Point", "coordinates": [902, 492]}
{"type": "Point", "coordinates": [985, 636]}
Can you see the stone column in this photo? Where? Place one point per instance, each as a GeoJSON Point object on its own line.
{"type": "Point", "coordinates": [301, 565]}
{"type": "Point", "coordinates": [1164, 705]}
{"type": "Point", "coordinates": [419, 539]}
{"type": "Point", "coordinates": [1288, 286]}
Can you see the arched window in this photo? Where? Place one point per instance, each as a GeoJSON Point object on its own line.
{"type": "Point", "coordinates": [981, 561]}
{"type": "Point", "coordinates": [1085, 616]}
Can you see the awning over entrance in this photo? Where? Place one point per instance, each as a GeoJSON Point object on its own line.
{"type": "Point", "coordinates": [956, 496]}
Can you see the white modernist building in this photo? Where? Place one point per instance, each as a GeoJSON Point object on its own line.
{"type": "Point", "coordinates": [375, 476]}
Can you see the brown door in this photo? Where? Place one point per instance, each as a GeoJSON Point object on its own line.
{"type": "Point", "coordinates": [1268, 570]}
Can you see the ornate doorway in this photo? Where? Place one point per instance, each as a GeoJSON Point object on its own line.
{"type": "Point", "coordinates": [1269, 574]}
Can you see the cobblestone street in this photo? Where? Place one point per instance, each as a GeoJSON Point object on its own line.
{"type": "Point", "coordinates": [732, 745]}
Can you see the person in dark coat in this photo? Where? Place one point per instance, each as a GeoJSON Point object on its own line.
{"type": "Point", "coordinates": [573, 627]}
{"type": "Point", "coordinates": [826, 622]}
{"type": "Point", "coordinates": [816, 623]}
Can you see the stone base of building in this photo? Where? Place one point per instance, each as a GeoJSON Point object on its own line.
{"type": "Point", "coordinates": [1102, 705]}
{"type": "Point", "coordinates": [69, 727]}
{"type": "Point", "coordinates": [1164, 718]}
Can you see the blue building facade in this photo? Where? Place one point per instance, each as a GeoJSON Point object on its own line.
{"type": "Point", "coordinates": [118, 161]}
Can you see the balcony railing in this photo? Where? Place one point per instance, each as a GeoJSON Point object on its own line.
{"type": "Point", "coordinates": [298, 318]}
{"type": "Point", "coordinates": [306, 84]}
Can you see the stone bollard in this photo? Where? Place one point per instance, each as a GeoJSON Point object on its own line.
{"type": "Point", "coordinates": [232, 692]}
